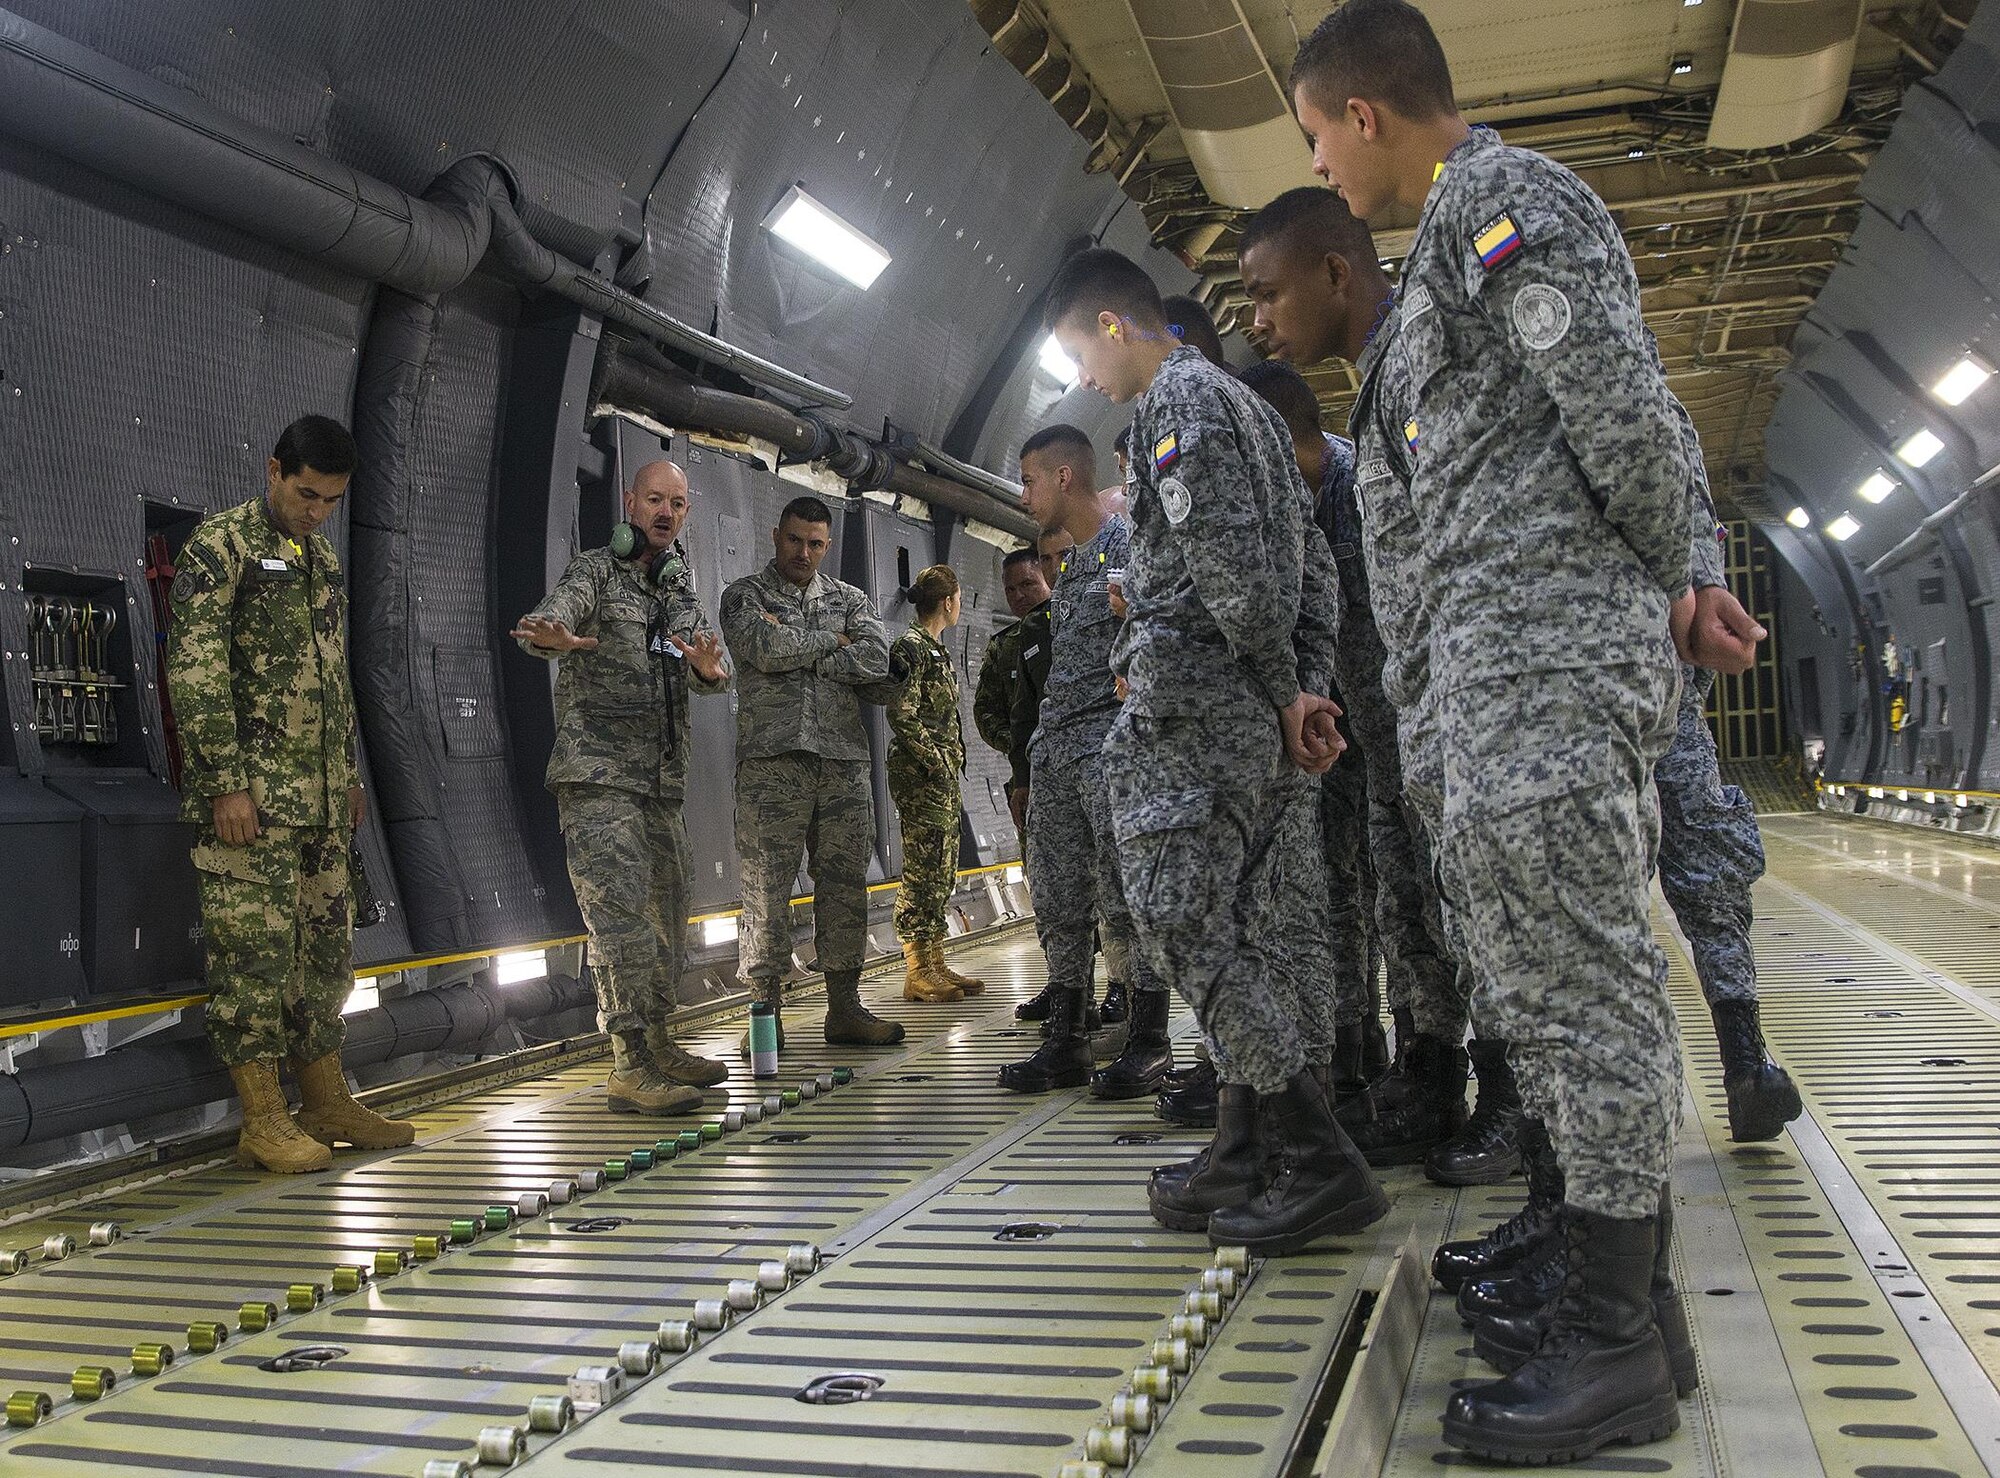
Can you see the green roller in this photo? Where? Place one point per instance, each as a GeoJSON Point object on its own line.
{"type": "Point", "coordinates": [641, 1159]}
{"type": "Point", "coordinates": [465, 1228]}
{"type": "Point", "coordinates": [429, 1249]}
{"type": "Point", "coordinates": [689, 1139]}
{"type": "Point", "coordinates": [256, 1316]}
{"type": "Point", "coordinates": [205, 1336]}
{"type": "Point", "coordinates": [711, 1131]}
{"type": "Point", "coordinates": [666, 1149]}
{"type": "Point", "coordinates": [301, 1298]}
{"type": "Point", "coordinates": [26, 1408]}
{"type": "Point", "coordinates": [499, 1218]}
{"type": "Point", "coordinates": [791, 1097]}
{"type": "Point", "coordinates": [614, 1169]}
{"type": "Point", "coordinates": [842, 1076]}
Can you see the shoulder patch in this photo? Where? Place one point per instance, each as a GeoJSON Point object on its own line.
{"type": "Point", "coordinates": [1496, 241]}
{"type": "Point", "coordinates": [1166, 451]}
{"type": "Point", "coordinates": [1541, 315]}
{"type": "Point", "coordinates": [1417, 302]}
{"type": "Point", "coordinates": [1175, 501]}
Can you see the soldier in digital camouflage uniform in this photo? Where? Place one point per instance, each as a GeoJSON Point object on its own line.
{"type": "Point", "coordinates": [1000, 667]}
{"type": "Point", "coordinates": [807, 650]}
{"type": "Point", "coordinates": [1072, 854]}
{"type": "Point", "coordinates": [926, 759]}
{"type": "Point", "coordinates": [633, 643]}
{"type": "Point", "coordinates": [1196, 759]}
{"type": "Point", "coordinates": [1535, 446]}
{"type": "Point", "coordinates": [257, 674]}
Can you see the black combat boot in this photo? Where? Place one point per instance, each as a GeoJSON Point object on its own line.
{"type": "Point", "coordinates": [1148, 1056]}
{"type": "Point", "coordinates": [1530, 1284]}
{"type": "Point", "coordinates": [1599, 1376]}
{"type": "Point", "coordinates": [1762, 1097]}
{"type": "Point", "coordinates": [1348, 1079]}
{"type": "Point", "coordinates": [1036, 1007]}
{"type": "Point", "coordinates": [1523, 1236]}
{"type": "Point", "coordinates": [1117, 1003]}
{"type": "Point", "coordinates": [1488, 1149]}
{"type": "Point", "coordinates": [1228, 1171]}
{"type": "Point", "coordinates": [1192, 1099]}
{"type": "Point", "coordinates": [1063, 1061]}
{"type": "Point", "coordinates": [1379, 1068]}
{"type": "Point", "coordinates": [1412, 1108]}
{"type": "Point", "coordinates": [1319, 1185]}
{"type": "Point", "coordinates": [1200, 1067]}
{"type": "Point", "coordinates": [1506, 1342]}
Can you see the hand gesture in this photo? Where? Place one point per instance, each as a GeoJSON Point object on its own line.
{"type": "Point", "coordinates": [1723, 636]}
{"type": "Point", "coordinates": [1312, 739]}
{"type": "Point", "coordinates": [703, 653]}
{"type": "Point", "coordinates": [551, 635]}
{"type": "Point", "coordinates": [235, 819]}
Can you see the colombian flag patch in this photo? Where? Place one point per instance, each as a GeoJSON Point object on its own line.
{"type": "Point", "coordinates": [1166, 451]}
{"type": "Point", "coordinates": [1410, 433]}
{"type": "Point", "coordinates": [1496, 241]}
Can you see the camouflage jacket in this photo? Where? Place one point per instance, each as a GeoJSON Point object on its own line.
{"type": "Point", "coordinates": [1031, 677]}
{"type": "Point", "coordinates": [799, 690]}
{"type": "Point", "coordinates": [1218, 515]}
{"type": "Point", "coordinates": [926, 743]}
{"type": "Point", "coordinates": [1549, 476]}
{"type": "Point", "coordinates": [257, 671]}
{"type": "Point", "coordinates": [622, 707]}
{"type": "Point", "coordinates": [1078, 699]}
{"type": "Point", "coordinates": [993, 699]}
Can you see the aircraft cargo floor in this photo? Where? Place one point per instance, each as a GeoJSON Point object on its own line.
{"type": "Point", "coordinates": [990, 1277]}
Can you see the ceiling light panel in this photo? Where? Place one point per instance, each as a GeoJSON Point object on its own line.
{"type": "Point", "coordinates": [801, 221]}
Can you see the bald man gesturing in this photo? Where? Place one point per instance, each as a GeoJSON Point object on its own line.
{"type": "Point", "coordinates": [633, 643]}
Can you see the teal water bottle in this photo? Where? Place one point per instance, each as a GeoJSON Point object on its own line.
{"type": "Point", "coordinates": [763, 1040]}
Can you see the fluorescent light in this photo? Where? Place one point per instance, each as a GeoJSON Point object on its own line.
{"type": "Point", "coordinates": [1920, 448]}
{"type": "Point", "coordinates": [363, 997]}
{"type": "Point", "coordinates": [1962, 800]}
{"type": "Point", "coordinates": [1635, 153]}
{"type": "Point", "coordinates": [1798, 518]}
{"type": "Point", "coordinates": [1876, 486]}
{"type": "Point", "coordinates": [826, 238]}
{"type": "Point", "coordinates": [1961, 380]}
{"type": "Point", "coordinates": [717, 931]}
{"type": "Point", "coordinates": [1689, 4]}
{"type": "Point", "coordinates": [1874, 792]}
{"type": "Point", "coordinates": [1683, 65]}
{"type": "Point", "coordinates": [512, 969]}
{"type": "Point", "coordinates": [1930, 797]}
{"type": "Point", "coordinates": [1014, 874]}
{"type": "Point", "coordinates": [1844, 527]}
{"type": "Point", "coordinates": [1057, 365]}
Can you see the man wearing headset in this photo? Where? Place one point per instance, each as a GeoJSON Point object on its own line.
{"type": "Point", "coordinates": [633, 642]}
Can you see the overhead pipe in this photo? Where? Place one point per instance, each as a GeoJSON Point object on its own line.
{"type": "Point", "coordinates": [127, 1084]}
{"type": "Point", "coordinates": [78, 105]}
{"type": "Point", "coordinates": [1933, 522]}
{"type": "Point", "coordinates": [625, 380]}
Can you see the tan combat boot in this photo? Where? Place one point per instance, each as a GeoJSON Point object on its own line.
{"type": "Point", "coordinates": [636, 1086]}
{"type": "Point", "coordinates": [970, 984]}
{"type": "Point", "coordinates": [270, 1140]}
{"type": "Point", "coordinates": [919, 984]}
{"type": "Point", "coordinates": [328, 1112]}
{"type": "Point", "coordinates": [674, 1061]}
{"type": "Point", "coordinates": [848, 1022]}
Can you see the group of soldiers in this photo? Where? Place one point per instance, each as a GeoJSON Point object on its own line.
{"type": "Point", "coordinates": [1287, 715]}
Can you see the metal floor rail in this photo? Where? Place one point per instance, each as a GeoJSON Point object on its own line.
{"type": "Point", "coordinates": [991, 1283]}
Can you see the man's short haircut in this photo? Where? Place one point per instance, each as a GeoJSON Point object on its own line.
{"type": "Point", "coordinates": [1289, 394]}
{"type": "Point", "coordinates": [1025, 555]}
{"type": "Point", "coordinates": [1097, 280]}
{"type": "Point", "coordinates": [318, 442]}
{"type": "Point", "coordinates": [807, 510]}
{"type": "Point", "coordinates": [1123, 444]}
{"type": "Point", "coordinates": [1189, 321]}
{"type": "Point", "coordinates": [1066, 446]}
{"type": "Point", "coordinates": [1312, 219]}
{"type": "Point", "coordinates": [934, 585]}
{"type": "Point", "coordinates": [1383, 51]}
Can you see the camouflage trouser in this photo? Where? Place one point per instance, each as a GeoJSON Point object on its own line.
{"type": "Point", "coordinates": [930, 861]}
{"type": "Point", "coordinates": [1073, 870]}
{"type": "Point", "coordinates": [1306, 968]}
{"type": "Point", "coordinates": [1424, 975]}
{"type": "Point", "coordinates": [280, 942]}
{"type": "Point", "coordinates": [630, 867]}
{"type": "Point", "coordinates": [1420, 753]}
{"type": "Point", "coordinates": [1353, 906]}
{"type": "Point", "coordinates": [1196, 805]}
{"type": "Point", "coordinates": [788, 804]}
{"type": "Point", "coordinates": [1710, 851]}
{"type": "Point", "coordinates": [1550, 825]}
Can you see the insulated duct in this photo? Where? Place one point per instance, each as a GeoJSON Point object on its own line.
{"type": "Point", "coordinates": [1786, 73]}
{"type": "Point", "coordinates": [1234, 117]}
{"type": "Point", "coordinates": [625, 380]}
{"type": "Point", "coordinates": [39, 1104]}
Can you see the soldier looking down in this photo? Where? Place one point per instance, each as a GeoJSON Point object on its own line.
{"type": "Point", "coordinates": [633, 643]}
{"type": "Point", "coordinates": [257, 671]}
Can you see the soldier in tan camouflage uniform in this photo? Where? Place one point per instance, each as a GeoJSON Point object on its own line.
{"type": "Point", "coordinates": [926, 756]}
{"type": "Point", "coordinates": [633, 643]}
{"type": "Point", "coordinates": [809, 651]}
{"type": "Point", "coordinates": [257, 671]}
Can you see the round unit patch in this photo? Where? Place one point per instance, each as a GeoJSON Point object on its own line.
{"type": "Point", "coordinates": [1541, 315]}
{"type": "Point", "coordinates": [1175, 500]}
